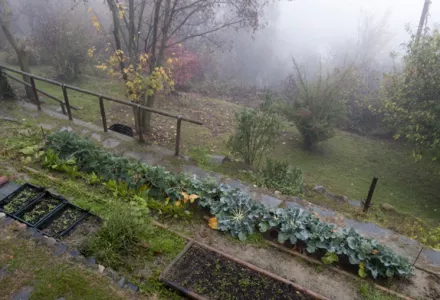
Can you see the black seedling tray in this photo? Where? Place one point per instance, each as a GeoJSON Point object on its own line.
{"type": "Point", "coordinates": [73, 212]}
{"type": "Point", "coordinates": [58, 203]}
{"type": "Point", "coordinates": [8, 199]}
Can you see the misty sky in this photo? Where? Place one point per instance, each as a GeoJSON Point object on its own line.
{"type": "Point", "coordinates": [306, 24]}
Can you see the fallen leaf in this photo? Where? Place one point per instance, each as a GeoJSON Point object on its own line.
{"type": "Point", "coordinates": [213, 223]}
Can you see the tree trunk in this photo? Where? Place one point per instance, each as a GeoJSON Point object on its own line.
{"type": "Point", "coordinates": [22, 56]}
{"type": "Point", "coordinates": [423, 18]}
{"type": "Point", "coordinates": [147, 116]}
{"type": "Point", "coordinates": [5, 89]}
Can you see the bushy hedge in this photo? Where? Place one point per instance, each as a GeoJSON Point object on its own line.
{"type": "Point", "coordinates": [235, 211]}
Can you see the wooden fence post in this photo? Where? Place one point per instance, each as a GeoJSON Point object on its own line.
{"type": "Point", "coordinates": [66, 101]}
{"type": "Point", "coordinates": [179, 125]}
{"type": "Point", "coordinates": [104, 119]}
{"type": "Point", "coordinates": [370, 194]}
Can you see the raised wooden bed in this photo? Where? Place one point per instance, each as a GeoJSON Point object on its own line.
{"type": "Point", "coordinates": [201, 272]}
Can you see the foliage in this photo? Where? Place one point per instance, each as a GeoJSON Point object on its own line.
{"type": "Point", "coordinates": [411, 97]}
{"type": "Point", "coordinates": [234, 211]}
{"type": "Point", "coordinates": [122, 235]}
{"type": "Point", "coordinates": [62, 39]}
{"type": "Point", "coordinates": [186, 65]}
{"type": "Point", "coordinates": [282, 177]}
{"type": "Point", "coordinates": [296, 224]}
{"type": "Point", "coordinates": [317, 105]}
{"type": "Point", "coordinates": [329, 258]}
{"type": "Point", "coordinates": [256, 132]}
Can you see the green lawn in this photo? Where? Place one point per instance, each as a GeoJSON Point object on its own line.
{"type": "Point", "coordinates": [347, 163]}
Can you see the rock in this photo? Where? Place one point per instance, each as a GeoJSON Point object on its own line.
{"type": "Point", "coordinates": [110, 143]}
{"type": "Point", "coordinates": [66, 128]}
{"type": "Point", "coordinates": [121, 282]}
{"type": "Point", "coordinates": [277, 193]}
{"type": "Point", "coordinates": [387, 207]}
{"type": "Point", "coordinates": [319, 189]}
{"type": "Point", "coordinates": [48, 241]}
{"type": "Point", "coordinates": [2, 215]}
{"type": "Point", "coordinates": [4, 272]}
{"type": "Point", "coordinates": [270, 201]}
{"type": "Point", "coordinates": [340, 198]}
{"type": "Point", "coordinates": [91, 262]}
{"type": "Point", "coordinates": [3, 180]}
{"type": "Point", "coordinates": [47, 126]}
{"type": "Point", "coordinates": [97, 137]}
{"type": "Point", "coordinates": [85, 132]}
{"type": "Point", "coordinates": [101, 268]}
{"type": "Point", "coordinates": [17, 226]}
{"type": "Point", "coordinates": [132, 287]}
{"type": "Point", "coordinates": [23, 294]}
{"type": "Point", "coordinates": [60, 249]}
{"type": "Point", "coordinates": [217, 159]}
{"type": "Point", "coordinates": [74, 253]}
{"type": "Point", "coordinates": [111, 273]}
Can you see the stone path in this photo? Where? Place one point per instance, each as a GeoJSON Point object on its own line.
{"type": "Point", "coordinates": [154, 155]}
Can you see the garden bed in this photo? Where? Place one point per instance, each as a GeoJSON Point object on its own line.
{"type": "Point", "coordinates": [63, 221]}
{"type": "Point", "coordinates": [202, 273]}
{"type": "Point", "coordinates": [38, 210]}
{"type": "Point", "coordinates": [20, 198]}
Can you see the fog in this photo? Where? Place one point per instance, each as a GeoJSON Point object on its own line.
{"type": "Point", "coordinates": [314, 30]}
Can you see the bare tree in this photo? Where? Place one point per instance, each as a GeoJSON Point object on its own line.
{"type": "Point", "coordinates": [20, 49]}
{"type": "Point", "coordinates": [152, 26]}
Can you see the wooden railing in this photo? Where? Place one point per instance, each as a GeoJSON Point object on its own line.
{"type": "Point", "coordinates": [67, 107]}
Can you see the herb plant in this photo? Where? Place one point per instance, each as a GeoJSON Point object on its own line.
{"type": "Point", "coordinates": [41, 209]}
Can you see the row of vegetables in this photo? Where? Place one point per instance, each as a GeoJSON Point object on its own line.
{"type": "Point", "coordinates": [234, 211]}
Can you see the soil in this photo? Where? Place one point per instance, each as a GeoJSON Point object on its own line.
{"type": "Point", "coordinates": [62, 221]}
{"type": "Point", "coordinates": [40, 209]}
{"type": "Point", "coordinates": [212, 275]}
{"type": "Point", "coordinates": [82, 232]}
{"type": "Point", "coordinates": [319, 279]}
{"type": "Point", "coordinates": [20, 200]}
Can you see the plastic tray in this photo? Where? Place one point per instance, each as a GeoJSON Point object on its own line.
{"type": "Point", "coordinates": [54, 216]}
{"type": "Point", "coordinates": [11, 196]}
{"type": "Point", "coordinates": [20, 215]}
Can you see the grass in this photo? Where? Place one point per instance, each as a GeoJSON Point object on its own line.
{"type": "Point", "coordinates": [368, 292]}
{"type": "Point", "coordinates": [347, 163]}
{"type": "Point", "coordinates": [51, 277]}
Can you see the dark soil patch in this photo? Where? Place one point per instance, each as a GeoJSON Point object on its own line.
{"type": "Point", "coordinates": [215, 277]}
{"type": "Point", "coordinates": [78, 236]}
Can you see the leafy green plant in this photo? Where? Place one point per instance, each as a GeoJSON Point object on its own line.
{"type": "Point", "coordinates": [329, 258]}
{"type": "Point", "coordinates": [237, 214]}
{"type": "Point", "coordinates": [256, 132]}
{"type": "Point", "coordinates": [233, 210]}
{"type": "Point", "coordinates": [282, 177]}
